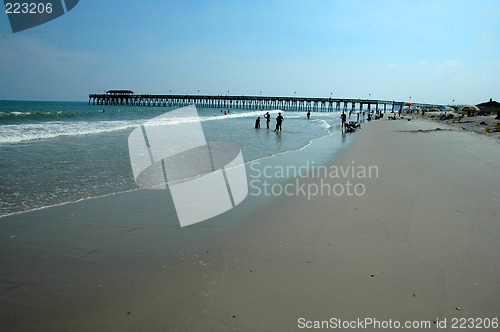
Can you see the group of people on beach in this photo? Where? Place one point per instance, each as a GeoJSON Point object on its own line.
{"type": "Point", "coordinates": [267, 116]}
{"type": "Point", "coordinates": [345, 126]}
{"type": "Point", "coordinates": [351, 126]}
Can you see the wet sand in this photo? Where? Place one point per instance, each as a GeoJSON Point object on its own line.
{"type": "Point", "coordinates": [421, 243]}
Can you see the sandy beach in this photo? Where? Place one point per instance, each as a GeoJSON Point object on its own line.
{"type": "Point", "coordinates": [421, 243]}
{"type": "Point", "coordinates": [485, 125]}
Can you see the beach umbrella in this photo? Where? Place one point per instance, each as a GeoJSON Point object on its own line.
{"type": "Point", "coordinates": [489, 104]}
{"type": "Point", "coordinates": [469, 108]}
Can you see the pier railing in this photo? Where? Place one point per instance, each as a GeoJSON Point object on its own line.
{"type": "Point", "coordinates": [313, 104]}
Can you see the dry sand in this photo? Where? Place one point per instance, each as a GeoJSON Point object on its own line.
{"type": "Point", "coordinates": [486, 125]}
{"type": "Point", "coordinates": [422, 243]}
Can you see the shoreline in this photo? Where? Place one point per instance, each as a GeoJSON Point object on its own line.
{"type": "Point", "coordinates": [420, 243]}
{"type": "Point", "coordinates": [120, 183]}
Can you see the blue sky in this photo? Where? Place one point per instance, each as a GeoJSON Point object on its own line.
{"type": "Point", "coordinates": [434, 51]}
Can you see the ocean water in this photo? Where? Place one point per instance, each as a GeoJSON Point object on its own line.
{"type": "Point", "coordinates": [57, 152]}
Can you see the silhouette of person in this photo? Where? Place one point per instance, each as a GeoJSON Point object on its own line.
{"type": "Point", "coordinates": [343, 118]}
{"type": "Point", "coordinates": [267, 116]}
{"type": "Point", "coordinates": [279, 120]}
{"type": "Point", "coordinates": [308, 114]}
{"type": "Point", "coordinates": [257, 123]}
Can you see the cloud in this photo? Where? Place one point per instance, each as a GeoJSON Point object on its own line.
{"type": "Point", "coordinates": [452, 63]}
{"type": "Point", "coordinates": [24, 51]}
{"type": "Point", "coordinates": [395, 66]}
{"type": "Point", "coordinates": [39, 70]}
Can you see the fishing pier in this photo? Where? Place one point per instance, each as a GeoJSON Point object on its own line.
{"type": "Point", "coordinates": [313, 104]}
